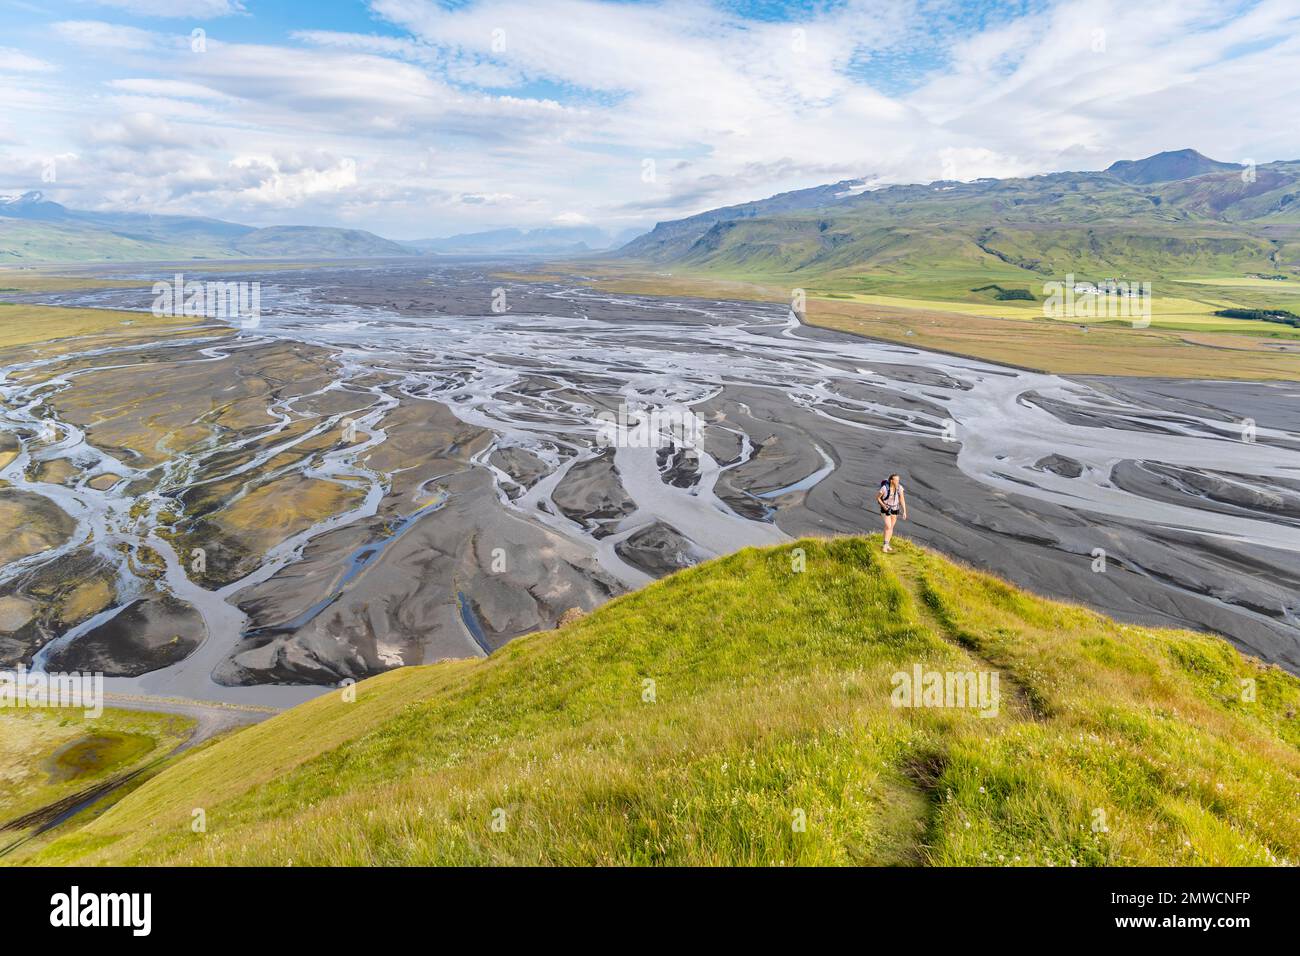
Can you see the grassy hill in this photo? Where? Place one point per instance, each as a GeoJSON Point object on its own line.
{"type": "Point", "coordinates": [698, 720]}
{"type": "Point", "coordinates": [22, 242]}
{"type": "Point", "coordinates": [33, 229]}
{"type": "Point", "coordinates": [1213, 221]}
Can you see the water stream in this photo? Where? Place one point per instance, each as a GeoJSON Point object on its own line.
{"type": "Point", "coordinates": [648, 354]}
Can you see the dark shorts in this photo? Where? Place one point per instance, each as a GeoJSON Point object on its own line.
{"type": "Point", "coordinates": [889, 511]}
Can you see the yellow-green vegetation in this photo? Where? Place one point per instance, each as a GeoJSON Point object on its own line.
{"type": "Point", "coordinates": [1268, 286]}
{"type": "Point", "coordinates": [280, 509]}
{"type": "Point", "coordinates": [1167, 312]}
{"type": "Point", "coordinates": [1177, 302]}
{"type": "Point", "coordinates": [87, 598]}
{"type": "Point", "coordinates": [145, 562]}
{"type": "Point", "coordinates": [1068, 348]}
{"type": "Point", "coordinates": [9, 448]}
{"type": "Point", "coordinates": [15, 612]}
{"type": "Point", "coordinates": [45, 325]}
{"type": "Point", "coordinates": [28, 280]}
{"type": "Point", "coordinates": [30, 524]}
{"type": "Point", "coordinates": [57, 471]}
{"type": "Point", "coordinates": [251, 524]}
{"type": "Point", "coordinates": [49, 755]}
{"type": "Point", "coordinates": [702, 719]}
{"type": "Point", "coordinates": [1186, 341]}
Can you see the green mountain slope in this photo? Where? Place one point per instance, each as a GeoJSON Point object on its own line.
{"type": "Point", "coordinates": [1217, 222]}
{"type": "Point", "coordinates": [1269, 196]}
{"type": "Point", "coordinates": [668, 239]}
{"type": "Point", "coordinates": [22, 242]}
{"type": "Point", "coordinates": [282, 241]}
{"type": "Point", "coordinates": [740, 712]}
{"type": "Point", "coordinates": [33, 229]}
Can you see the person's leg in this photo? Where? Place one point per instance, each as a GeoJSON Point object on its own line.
{"type": "Point", "coordinates": [889, 528]}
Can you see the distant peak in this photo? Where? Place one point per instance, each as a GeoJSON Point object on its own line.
{"type": "Point", "coordinates": [29, 198]}
{"type": "Point", "coordinates": [1166, 167]}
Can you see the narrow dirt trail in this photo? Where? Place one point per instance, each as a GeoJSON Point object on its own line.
{"type": "Point", "coordinates": [927, 604]}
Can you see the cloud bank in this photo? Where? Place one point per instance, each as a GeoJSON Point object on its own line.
{"type": "Point", "coordinates": [430, 119]}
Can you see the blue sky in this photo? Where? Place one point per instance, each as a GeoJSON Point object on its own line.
{"type": "Point", "coordinates": [416, 118]}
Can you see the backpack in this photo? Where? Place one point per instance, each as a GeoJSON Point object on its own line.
{"type": "Point", "coordinates": [884, 491]}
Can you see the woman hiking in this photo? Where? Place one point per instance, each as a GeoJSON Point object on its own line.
{"type": "Point", "coordinates": [893, 502]}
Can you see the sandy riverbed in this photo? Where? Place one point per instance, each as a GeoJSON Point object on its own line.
{"type": "Point", "coordinates": [387, 472]}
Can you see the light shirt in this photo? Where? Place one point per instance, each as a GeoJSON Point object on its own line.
{"type": "Point", "coordinates": [891, 496]}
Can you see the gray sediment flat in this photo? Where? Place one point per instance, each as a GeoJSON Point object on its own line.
{"type": "Point", "coordinates": [491, 506]}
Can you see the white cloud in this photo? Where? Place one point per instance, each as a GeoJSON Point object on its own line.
{"type": "Point", "coordinates": [144, 131]}
{"type": "Point", "coordinates": [104, 36]}
{"type": "Point", "coordinates": [287, 180]}
{"type": "Point", "coordinates": [489, 199]}
{"type": "Point", "coordinates": [168, 88]}
{"type": "Point", "coordinates": [524, 112]}
{"type": "Point", "coordinates": [193, 9]}
{"type": "Point", "coordinates": [16, 61]}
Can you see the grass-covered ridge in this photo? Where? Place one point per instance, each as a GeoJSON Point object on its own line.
{"type": "Point", "coordinates": [770, 702]}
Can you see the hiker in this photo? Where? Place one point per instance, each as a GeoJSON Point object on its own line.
{"type": "Point", "coordinates": [892, 502]}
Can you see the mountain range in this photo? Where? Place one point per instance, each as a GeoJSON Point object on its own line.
{"type": "Point", "coordinates": [549, 240]}
{"type": "Point", "coordinates": [34, 229]}
{"type": "Point", "coordinates": [1174, 212]}
{"type": "Point", "coordinates": [668, 238]}
{"type": "Point", "coordinates": [1169, 213]}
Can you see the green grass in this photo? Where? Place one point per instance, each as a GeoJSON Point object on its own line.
{"type": "Point", "coordinates": [1167, 312]}
{"type": "Point", "coordinates": [22, 324]}
{"type": "Point", "coordinates": [771, 704]}
{"type": "Point", "coordinates": [48, 754]}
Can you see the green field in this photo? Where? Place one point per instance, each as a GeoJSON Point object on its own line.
{"type": "Point", "coordinates": [1180, 304]}
{"type": "Point", "coordinates": [1186, 304]}
{"type": "Point", "coordinates": [1167, 312]}
{"type": "Point", "coordinates": [740, 713]}
{"type": "Point", "coordinates": [49, 755]}
{"type": "Point", "coordinates": [1268, 286]}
